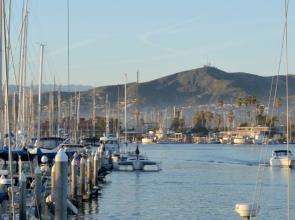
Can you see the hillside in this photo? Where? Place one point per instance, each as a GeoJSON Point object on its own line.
{"type": "Point", "coordinates": [198, 86]}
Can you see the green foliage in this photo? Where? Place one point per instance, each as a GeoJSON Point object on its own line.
{"type": "Point", "coordinates": [177, 124]}
{"type": "Point", "coordinates": [199, 119]}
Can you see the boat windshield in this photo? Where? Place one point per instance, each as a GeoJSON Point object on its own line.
{"type": "Point", "coordinates": [282, 153]}
{"type": "Point", "coordinates": [50, 143]}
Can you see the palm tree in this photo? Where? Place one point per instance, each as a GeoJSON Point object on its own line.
{"type": "Point", "coordinates": [230, 118]}
{"type": "Point", "coordinates": [208, 118]}
{"type": "Point", "coordinates": [199, 119]}
{"type": "Point", "coordinates": [218, 120]}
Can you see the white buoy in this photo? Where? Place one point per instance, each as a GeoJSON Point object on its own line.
{"type": "Point", "coordinates": [61, 183]}
{"type": "Point", "coordinates": [247, 210]}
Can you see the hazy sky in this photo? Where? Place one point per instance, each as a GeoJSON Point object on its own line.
{"type": "Point", "coordinates": [157, 37]}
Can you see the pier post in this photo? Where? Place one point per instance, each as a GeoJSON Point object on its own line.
{"type": "Point", "coordinates": [95, 169]}
{"type": "Point", "coordinates": [74, 173]}
{"type": "Point", "coordinates": [53, 180]}
{"type": "Point", "coordinates": [82, 177]}
{"type": "Point", "coordinates": [61, 185]}
{"type": "Point", "coordinates": [88, 174]}
{"type": "Point", "coordinates": [22, 196]}
{"type": "Point", "coordinates": [3, 189]}
{"type": "Point", "coordinates": [37, 192]}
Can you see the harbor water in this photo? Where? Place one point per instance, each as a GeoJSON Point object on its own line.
{"type": "Point", "coordinates": [196, 182]}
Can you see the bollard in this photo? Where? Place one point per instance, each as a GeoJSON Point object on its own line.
{"type": "Point", "coordinates": [82, 176]}
{"type": "Point", "coordinates": [37, 192]}
{"type": "Point", "coordinates": [19, 166]}
{"type": "Point", "coordinates": [3, 189]}
{"type": "Point", "coordinates": [101, 153]}
{"type": "Point", "coordinates": [95, 169]}
{"type": "Point", "coordinates": [74, 173]}
{"type": "Point", "coordinates": [22, 196]}
{"type": "Point", "coordinates": [61, 185]}
{"type": "Point", "coordinates": [88, 174]}
{"type": "Point", "coordinates": [53, 180]}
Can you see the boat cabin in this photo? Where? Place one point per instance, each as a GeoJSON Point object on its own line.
{"type": "Point", "coordinates": [281, 153]}
{"type": "Point", "coordinates": [49, 142]}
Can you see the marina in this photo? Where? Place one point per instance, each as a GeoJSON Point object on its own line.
{"type": "Point", "coordinates": [196, 182]}
{"type": "Point", "coordinates": [80, 138]}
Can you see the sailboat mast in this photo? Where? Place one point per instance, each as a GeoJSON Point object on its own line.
{"type": "Point", "coordinates": [137, 102]}
{"type": "Point", "coordinates": [93, 113]}
{"type": "Point", "coordinates": [287, 104]}
{"type": "Point", "coordinates": [2, 130]}
{"type": "Point", "coordinates": [39, 93]}
{"type": "Point", "coordinates": [125, 118]}
{"type": "Point", "coordinates": [2, 7]}
{"type": "Point", "coordinates": [286, 62]}
{"type": "Point", "coordinates": [58, 112]}
{"type": "Point", "coordinates": [78, 116]}
{"type": "Point", "coordinates": [68, 66]}
{"type": "Point", "coordinates": [118, 113]}
{"type": "Point", "coordinates": [107, 116]}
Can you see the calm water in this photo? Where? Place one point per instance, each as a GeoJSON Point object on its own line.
{"type": "Point", "coordinates": [197, 182]}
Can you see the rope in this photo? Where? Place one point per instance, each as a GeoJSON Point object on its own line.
{"type": "Point", "coordinates": [263, 157]}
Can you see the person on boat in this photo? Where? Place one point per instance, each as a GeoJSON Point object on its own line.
{"type": "Point", "coordinates": [137, 152]}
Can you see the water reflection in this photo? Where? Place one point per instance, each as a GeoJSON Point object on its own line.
{"type": "Point", "coordinates": [197, 182]}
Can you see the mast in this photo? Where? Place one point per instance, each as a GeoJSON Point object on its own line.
{"type": "Point", "coordinates": [2, 7]}
{"type": "Point", "coordinates": [137, 102]}
{"type": "Point", "coordinates": [287, 106]}
{"type": "Point", "coordinates": [125, 118]}
{"type": "Point", "coordinates": [78, 115]}
{"type": "Point", "coordinates": [68, 65]}
{"type": "Point", "coordinates": [39, 93]}
{"type": "Point", "coordinates": [107, 116]}
{"type": "Point", "coordinates": [22, 68]}
{"type": "Point", "coordinates": [50, 113]}
{"type": "Point", "coordinates": [58, 112]}
{"type": "Point", "coordinates": [31, 122]}
{"type": "Point", "coordinates": [93, 113]}
{"type": "Point", "coordinates": [118, 113]}
{"type": "Point", "coordinates": [2, 130]}
{"type": "Point", "coordinates": [75, 118]}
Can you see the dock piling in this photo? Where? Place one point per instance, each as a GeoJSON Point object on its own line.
{"type": "Point", "coordinates": [61, 184]}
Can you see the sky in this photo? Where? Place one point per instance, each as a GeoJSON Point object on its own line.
{"type": "Point", "coordinates": [155, 37]}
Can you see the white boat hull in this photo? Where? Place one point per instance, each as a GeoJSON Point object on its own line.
{"type": "Point", "coordinates": [281, 162]}
{"type": "Point", "coordinates": [239, 141]}
{"type": "Point", "coordinates": [147, 141]}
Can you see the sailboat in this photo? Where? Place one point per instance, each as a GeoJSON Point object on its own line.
{"type": "Point", "coordinates": [281, 158]}
{"type": "Point", "coordinates": [284, 158]}
{"type": "Point", "coordinates": [133, 159]}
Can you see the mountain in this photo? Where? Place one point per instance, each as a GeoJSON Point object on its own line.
{"type": "Point", "coordinates": [50, 87]}
{"type": "Point", "coordinates": [204, 85]}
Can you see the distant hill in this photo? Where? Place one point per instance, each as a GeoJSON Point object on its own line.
{"type": "Point", "coordinates": [50, 87]}
{"type": "Point", "coordinates": [204, 85]}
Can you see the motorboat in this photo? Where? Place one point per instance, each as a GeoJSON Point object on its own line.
{"type": "Point", "coordinates": [110, 144]}
{"type": "Point", "coordinates": [135, 160]}
{"type": "Point", "coordinates": [282, 158]}
{"type": "Point", "coordinates": [147, 140]}
{"type": "Point", "coordinates": [49, 146]}
{"type": "Point", "coordinates": [239, 140]}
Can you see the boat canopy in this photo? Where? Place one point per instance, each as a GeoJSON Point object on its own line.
{"type": "Point", "coordinates": [281, 152]}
